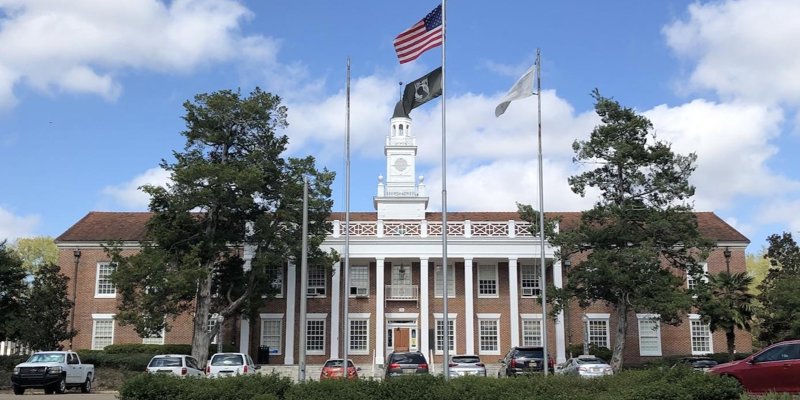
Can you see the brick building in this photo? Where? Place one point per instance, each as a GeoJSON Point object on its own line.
{"type": "Point", "coordinates": [395, 294]}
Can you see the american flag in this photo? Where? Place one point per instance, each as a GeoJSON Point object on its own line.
{"type": "Point", "coordinates": [425, 34]}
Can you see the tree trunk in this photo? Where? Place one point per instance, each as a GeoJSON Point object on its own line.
{"type": "Point", "coordinates": [201, 337]}
{"type": "Point", "coordinates": [619, 335]}
{"type": "Point", "coordinates": [730, 338]}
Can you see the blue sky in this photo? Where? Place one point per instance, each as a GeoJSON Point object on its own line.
{"type": "Point", "coordinates": [91, 96]}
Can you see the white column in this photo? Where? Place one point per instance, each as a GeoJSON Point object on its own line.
{"type": "Point", "coordinates": [288, 346]}
{"type": "Point", "coordinates": [469, 305]}
{"type": "Point", "coordinates": [423, 308]}
{"type": "Point", "coordinates": [513, 300]}
{"type": "Point", "coordinates": [561, 347]}
{"type": "Point", "coordinates": [336, 285]}
{"type": "Point", "coordinates": [244, 335]}
{"type": "Point", "coordinates": [380, 344]}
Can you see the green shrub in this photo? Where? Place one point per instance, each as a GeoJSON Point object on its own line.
{"type": "Point", "coordinates": [155, 387]}
{"type": "Point", "coordinates": [134, 348]}
{"type": "Point", "coordinates": [101, 359]}
{"type": "Point", "coordinates": [8, 362]}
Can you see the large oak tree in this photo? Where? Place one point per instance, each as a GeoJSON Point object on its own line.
{"type": "Point", "coordinates": [233, 193]}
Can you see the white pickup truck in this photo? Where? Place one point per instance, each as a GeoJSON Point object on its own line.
{"type": "Point", "coordinates": [53, 371]}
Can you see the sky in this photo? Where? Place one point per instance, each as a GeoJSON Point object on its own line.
{"type": "Point", "coordinates": [92, 94]}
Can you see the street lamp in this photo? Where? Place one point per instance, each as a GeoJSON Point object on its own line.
{"type": "Point", "coordinates": [77, 255]}
{"type": "Point", "coordinates": [585, 334]}
{"type": "Point", "coordinates": [727, 254]}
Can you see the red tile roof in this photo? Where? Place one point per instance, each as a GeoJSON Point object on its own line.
{"type": "Point", "coordinates": [130, 226]}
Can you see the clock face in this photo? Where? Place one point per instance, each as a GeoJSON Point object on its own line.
{"type": "Point", "coordinates": [401, 165]}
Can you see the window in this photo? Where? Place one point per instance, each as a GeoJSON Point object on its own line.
{"type": "Point", "coordinates": [451, 333]}
{"type": "Point", "coordinates": [315, 336]}
{"type": "Point", "coordinates": [649, 335]}
{"type": "Point", "coordinates": [157, 338]}
{"type": "Point", "coordinates": [690, 280]}
{"type": "Point", "coordinates": [276, 274]}
{"type": "Point", "coordinates": [359, 281]}
{"type": "Point", "coordinates": [487, 280]}
{"type": "Point", "coordinates": [530, 280]}
{"type": "Point", "coordinates": [104, 287]}
{"type": "Point", "coordinates": [531, 332]}
{"type": "Point", "coordinates": [213, 319]}
{"type": "Point", "coordinates": [316, 281]}
{"type": "Point", "coordinates": [438, 289]}
{"type": "Point", "coordinates": [598, 331]}
{"type": "Point", "coordinates": [271, 329]}
{"type": "Point", "coordinates": [102, 331]}
{"type": "Point", "coordinates": [701, 335]}
{"type": "Point", "coordinates": [488, 336]}
{"type": "Point", "coordinates": [359, 336]}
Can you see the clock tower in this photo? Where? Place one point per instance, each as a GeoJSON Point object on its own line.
{"type": "Point", "coordinates": [401, 195]}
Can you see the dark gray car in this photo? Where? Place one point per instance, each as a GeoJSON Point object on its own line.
{"type": "Point", "coordinates": [406, 363]}
{"type": "Point", "coordinates": [522, 360]}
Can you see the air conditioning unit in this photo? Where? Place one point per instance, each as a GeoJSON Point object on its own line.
{"type": "Point", "coordinates": [528, 291]}
{"type": "Point", "coordinates": [315, 291]}
{"type": "Point", "coordinates": [360, 291]}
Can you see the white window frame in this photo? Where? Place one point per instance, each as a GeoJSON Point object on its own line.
{"type": "Point", "coordinates": [527, 322]}
{"type": "Point", "coordinates": [438, 289]}
{"type": "Point", "coordinates": [360, 318]}
{"type": "Point", "coordinates": [271, 319]}
{"type": "Point", "coordinates": [213, 320]}
{"type": "Point", "coordinates": [104, 318]}
{"type": "Point", "coordinates": [317, 319]}
{"type": "Point", "coordinates": [106, 280]}
{"type": "Point", "coordinates": [359, 281]}
{"type": "Point", "coordinates": [156, 339]}
{"type": "Point", "coordinates": [597, 318]}
{"type": "Point", "coordinates": [277, 283]}
{"type": "Point", "coordinates": [316, 274]}
{"type": "Point", "coordinates": [530, 272]}
{"type": "Point", "coordinates": [646, 331]}
{"type": "Point", "coordinates": [439, 332]}
{"type": "Point", "coordinates": [695, 321]}
{"type": "Point", "coordinates": [690, 281]}
{"type": "Point", "coordinates": [493, 319]}
{"type": "Point", "coordinates": [483, 270]}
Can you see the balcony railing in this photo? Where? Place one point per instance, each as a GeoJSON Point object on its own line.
{"type": "Point", "coordinates": [456, 229]}
{"type": "Point", "coordinates": [402, 293]}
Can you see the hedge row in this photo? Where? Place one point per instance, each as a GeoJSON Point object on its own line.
{"type": "Point", "coordinates": [679, 383]}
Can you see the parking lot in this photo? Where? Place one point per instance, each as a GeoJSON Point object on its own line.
{"type": "Point", "coordinates": [39, 394]}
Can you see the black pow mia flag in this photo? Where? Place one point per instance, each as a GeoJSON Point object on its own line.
{"type": "Point", "coordinates": [422, 90]}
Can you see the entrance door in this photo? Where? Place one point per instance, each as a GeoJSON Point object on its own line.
{"type": "Point", "coordinates": [400, 339]}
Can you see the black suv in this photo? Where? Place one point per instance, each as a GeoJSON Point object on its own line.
{"type": "Point", "coordinates": [522, 360]}
{"type": "Point", "coordinates": [406, 363]}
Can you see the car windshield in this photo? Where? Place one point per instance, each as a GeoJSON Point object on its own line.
{"type": "Point", "coordinates": [46, 358]}
{"type": "Point", "coordinates": [466, 359]}
{"type": "Point", "coordinates": [530, 353]}
{"type": "Point", "coordinates": [589, 361]}
{"type": "Point", "coordinates": [337, 364]}
{"type": "Point", "coordinates": [408, 358]}
{"type": "Point", "coordinates": [165, 362]}
{"type": "Point", "coordinates": [227, 359]}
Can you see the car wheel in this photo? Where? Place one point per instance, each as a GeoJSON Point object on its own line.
{"type": "Point", "coordinates": [19, 390]}
{"type": "Point", "coordinates": [61, 386]}
{"type": "Point", "coordinates": [87, 385]}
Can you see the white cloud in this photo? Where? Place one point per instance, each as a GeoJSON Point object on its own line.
{"type": "Point", "coordinates": [128, 195]}
{"type": "Point", "coordinates": [16, 226]}
{"type": "Point", "coordinates": [743, 49]}
{"type": "Point", "coordinates": [80, 45]}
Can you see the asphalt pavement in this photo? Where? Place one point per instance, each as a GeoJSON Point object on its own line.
{"type": "Point", "coordinates": [31, 394]}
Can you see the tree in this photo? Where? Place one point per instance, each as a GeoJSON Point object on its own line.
{"type": "Point", "coordinates": [757, 266]}
{"type": "Point", "coordinates": [640, 231]}
{"type": "Point", "coordinates": [36, 251]}
{"type": "Point", "coordinates": [725, 303]}
{"type": "Point", "coordinates": [46, 308]}
{"type": "Point", "coordinates": [779, 311]}
{"type": "Point", "coordinates": [12, 288]}
{"type": "Point", "coordinates": [230, 190]}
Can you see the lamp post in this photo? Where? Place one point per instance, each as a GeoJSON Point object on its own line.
{"type": "Point", "coordinates": [77, 255]}
{"type": "Point", "coordinates": [727, 254]}
{"type": "Point", "coordinates": [585, 334]}
{"type": "Point", "coordinates": [220, 336]}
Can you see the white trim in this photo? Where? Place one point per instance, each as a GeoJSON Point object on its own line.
{"type": "Point", "coordinates": [450, 317]}
{"type": "Point", "coordinates": [499, 342]}
{"type": "Point", "coordinates": [98, 295]}
{"type": "Point", "coordinates": [424, 306]}
{"type": "Point", "coordinates": [103, 316]}
{"type": "Point", "coordinates": [496, 293]}
{"type": "Point", "coordinates": [362, 315]}
{"type": "Point", "coordinates": [469, 306]}
{"type": "Point", "coordinates": [350, 333]}
{"type": "Point", "coordinates": [325, 336]}
{"type": "Point", "coordinates": [380, 341]}
{"type": "Point", "coordinates": [696, 317]}
{"type": "Point", "coordinates": [317, 315]}
{"type": "Point", "coordinates": [598, 315]}
{"type": "Point", "coordinates": [271, 315]}
{"type": "Point", "coordinates": [336, 287]}
{"type": "Point", "coordinates": [291, 282]}
{"type": "Point", "coordinates": [513, 300]}
{"type": "Point", "coordinates": [531, 316]}
{"type": "Point", "coordinates": [402, 315]}
{"type": "Point", "coordinates": [650, 318]}
{"type": "Point", "coordinates": [488, 315]}
{"type": "Point", "coordinates": [367, 291]}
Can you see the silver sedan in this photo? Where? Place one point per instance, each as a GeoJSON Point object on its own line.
{"type": "Point", "coordinates": [585, 366]}
{"type": "Point", "coordinates": [464, 365]}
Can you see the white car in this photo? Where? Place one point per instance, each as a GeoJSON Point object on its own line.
{"type": "Point", "coordinates": [230, 364]}
{"type": "Point", "coordinates": [175, 364]}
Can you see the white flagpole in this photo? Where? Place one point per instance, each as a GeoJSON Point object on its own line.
{"type": "Point", "coordinates": [346, 291]}
{"type": "Point", "coordinates": [445, 328]}
{"type": "Point", "coordinates": [541, 216]}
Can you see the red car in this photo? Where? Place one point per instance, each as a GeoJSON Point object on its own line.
{"type": "Point", "coordinates": [774, 369]}
{"type": "Point", "coordinates": [333, 370]}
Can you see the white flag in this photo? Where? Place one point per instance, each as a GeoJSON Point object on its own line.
{"type": "Point", "coordinates": [522, 89]}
